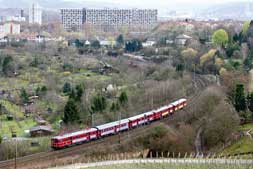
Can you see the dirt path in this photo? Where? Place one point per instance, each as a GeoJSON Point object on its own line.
{"type": "Point", "coordinates": [251, 80]}
{"type": "Point", "coordinates": [248, 133]}
{"type": "Point", "coordinates": [197, 143]}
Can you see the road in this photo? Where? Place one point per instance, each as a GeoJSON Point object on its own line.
{"type": "Point", "coordinates": [162, 161]}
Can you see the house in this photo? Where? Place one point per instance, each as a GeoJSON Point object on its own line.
{"type": "Point", "coordinates": [169, 42]}
{"type": "Point", "coordinates": [3, 42]}
{"type": "Point", "coordinates": [9, 28]}
{"type": "Point", "coordinates": [182, 39]}
{"type": "Point", "coordinates": [87, 43]}
{"type": "Point", "coordinates": [39, 131]}
{"type": "Point", "coordinates": [149, 43]}
{"type": "Point", "coordinates": [41, 122]}
{"type": "Point", "coordinates": [40, 39]}
{"type": "Point", "coordinates": [108, 43]}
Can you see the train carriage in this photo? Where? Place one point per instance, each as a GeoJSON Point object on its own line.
{"type": "Point", "coordinates": [113, 128]}
{"type": "Point", "coordinates": [183, 103]}
{"type": "Point", "coordinates": [161, 112]}
{"type": "Point", "coordinates": [179, 104]}
{"type": "Point", "coordinates": [170, 109]}
{"type": "Point", "coordinates": [74, 138]}
{"type": "Point", "coordinates": [84, 136]}
{"type": "Point", "coordinates": [138, 120]}
{"type": "Point", "coordinates": [60, 142]}
{"type": "Point", "coordinates": [116, 126]}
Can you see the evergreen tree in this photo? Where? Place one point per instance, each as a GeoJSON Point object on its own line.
{"type": "Point", "coordinates": [78, 43]}
{"type": "Point", "coordinates": [250, 102]}
{"type": "Point", "coordinates": [40, 91]}
{"type": "Point", "coordinates": [120, 40]}
{"type": "Point", "coordinates": [115, 107]}
{"type": "Point", "coordinates": [123, 99]}
{"type": "Point", "coordinates": [8, 65]}
{"type": "Point", "coordinates": [24, 96]}
{"type": "Point", "coordinates": [1, 109]}
{"type": "Point", "coordinates": [239, 99]}
{"type": "Point", "coordinates": [66, 88]}
{"type": "Point", "coordinates": [248, 63]}
{"type": "Point", "coordinates": [99, 104]}
{"type": "Point", "coordinates": [72, 94]}
{"type": "Point", "coordinates": [180, 69]}
{"type": "Point", "coordinates": [133, 45]}
{"type": "Point", "coordinates": [35, 62]}
{"type": "Point", "coordinates": [67, 67]}
{"type": "Point", "coordinates": [79, 92]}
{"type": "Point", "coordinates": [250, 30]}
{"type": "Point", "coordinates": [71, 114]}
{"type": "Point", "coordinates": [43, 89]}
{"type": "Point", "coordinates": [95, 44]}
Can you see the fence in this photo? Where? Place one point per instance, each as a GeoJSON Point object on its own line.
{"type": "Point", "coordinates": [158, 157]}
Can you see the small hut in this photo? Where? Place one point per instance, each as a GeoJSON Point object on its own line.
{"type": "Point", "coordinates": [39, 131]}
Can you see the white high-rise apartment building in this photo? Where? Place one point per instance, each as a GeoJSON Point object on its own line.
{"type": "Point", "coordinates": [75, 18]}
{"type": "Point", "coordinates": [35, 14]}
{"type": "Point", "coordinates": [9, 28]}
{"type": "Point", "coordinates": [72, 19]}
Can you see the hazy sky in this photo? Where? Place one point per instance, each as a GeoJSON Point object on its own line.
{"type": "Point", "coordinates": [166, 4]}
{"type": "Point", "coordinates": [163, 3]}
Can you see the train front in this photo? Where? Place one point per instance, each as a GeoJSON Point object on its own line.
{"type": "Point", "coordinates": [55, 143]}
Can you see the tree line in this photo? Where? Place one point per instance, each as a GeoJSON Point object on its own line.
{"type": "Point", "coordinates": [98, 104]}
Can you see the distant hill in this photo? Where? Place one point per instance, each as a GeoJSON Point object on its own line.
{"type": "Point", "coordinates": [236, 10]}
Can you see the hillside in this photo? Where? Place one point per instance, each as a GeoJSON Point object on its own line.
{"type": "Point", "coordinates": [236, 10]}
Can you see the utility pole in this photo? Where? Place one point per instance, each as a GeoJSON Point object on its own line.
{"type": "Point", "coordinates": [194, 75]}
{"type": "Point", "coordinates": [16, 152]}
{"type": "Point", "coordinates": [119, 124]}
{"type": "Point", "coordinates": [92, 118]}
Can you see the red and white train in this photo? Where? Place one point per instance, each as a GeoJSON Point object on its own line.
{"type": "Point", "coordinates": [115, 127]}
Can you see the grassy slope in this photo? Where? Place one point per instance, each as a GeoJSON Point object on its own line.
{"type": "Point", "coordinates": [13, 109]}
{"type": "Point", "coordinates": [7, 126]}
{"type": "Point", "coordinates": [245, 144]}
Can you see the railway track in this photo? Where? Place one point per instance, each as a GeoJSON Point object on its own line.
{"type": "Point", "coordinates": [111, 141]}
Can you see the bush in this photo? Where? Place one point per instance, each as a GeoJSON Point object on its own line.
{"type": "Point", "coordinates": [9, 117]}
{"type": "Point", "coordinates": [133, 45]}
{"type": "Point", "coordinates": [95, 44]}
{"type": "Point", "coordinates": [67, 67]}
{"type": "Point", "coordinates": [8, 66]}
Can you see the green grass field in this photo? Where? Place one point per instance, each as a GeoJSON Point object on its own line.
{"type": "Point", "coordinates": [246, 127]}
{"type": "Point", "coordinates": [6, 126]}
{"type": "Point", "coordinates": [245, 144]}
{"type": "Point", "coordinates": [176, 166]}
{"type": "Point", "coordinates": [13, 109]}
